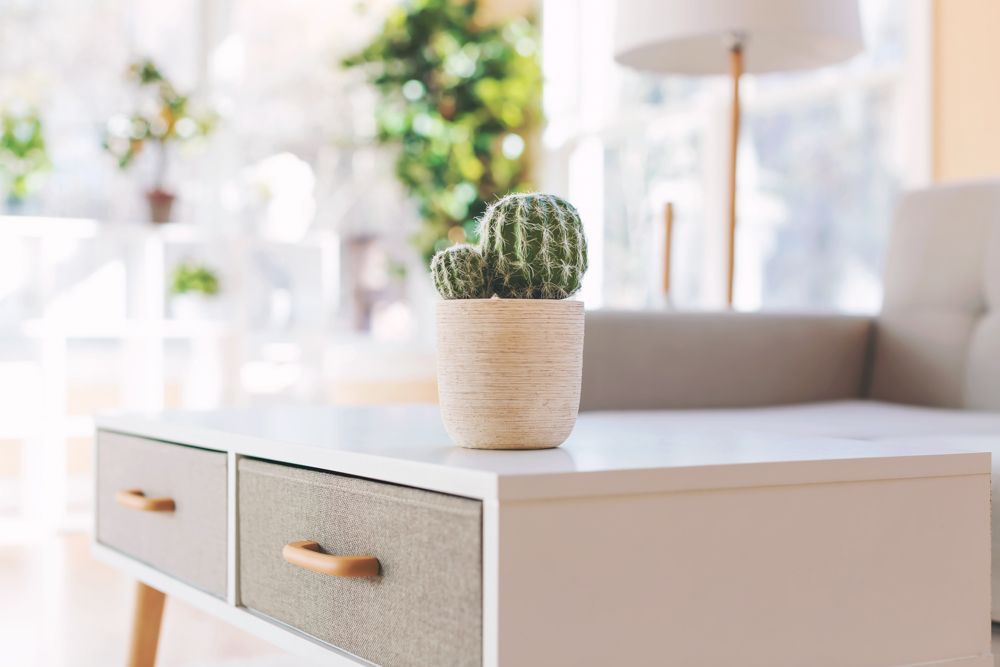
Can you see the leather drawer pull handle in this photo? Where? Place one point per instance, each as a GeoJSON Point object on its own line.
{"type": "Point", "coordinates": [306, 554]}
{"type": "Point", "coordinates": [134, 499]}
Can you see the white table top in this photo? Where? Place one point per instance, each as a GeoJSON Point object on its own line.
{"type": "Point", "coordinates": [608, 453]}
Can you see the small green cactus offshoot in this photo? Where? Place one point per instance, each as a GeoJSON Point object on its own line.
{"type": "Point", "coordinates": [532, 247]}
{"type": "Point", "coordinates": [459, 273]}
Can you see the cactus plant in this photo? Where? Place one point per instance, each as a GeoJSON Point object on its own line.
{"type": "Point", "coordinates": [532, 247]}
{"type": "Point", "coordinates": [459, 273]}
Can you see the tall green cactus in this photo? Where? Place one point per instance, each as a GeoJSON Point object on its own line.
{"type": "Point", "coordinates": [532, 247]}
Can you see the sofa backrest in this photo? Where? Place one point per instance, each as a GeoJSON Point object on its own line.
{"type": "Point", "coordinates": [937, 340]}
{"type": "Point", "coordinates": [679, 360]}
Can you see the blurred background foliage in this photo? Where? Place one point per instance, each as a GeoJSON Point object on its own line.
{"type": "Point", "coordinates": [189, 277]}
{"type": "Point", "coordinates": [24, 158]}
{"type": "Point", "coordinates": [162, 118]}
{"type": "Point", "coordinates": [461, 100]}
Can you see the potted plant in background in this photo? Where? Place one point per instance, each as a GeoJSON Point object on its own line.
{"type": "Point", "coordinates": [24, 159]}
{"type": "Point", "coordinates": [193, 289]}
{"type": "Point", "coordinates": [164, 118]}
{"type": "Point", "coordinates": [510, 344]}
{"type": "Point", "coordinates": [461, 98]}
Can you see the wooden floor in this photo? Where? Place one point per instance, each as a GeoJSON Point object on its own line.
{"type": "Point", "coordinates": [61, 608]}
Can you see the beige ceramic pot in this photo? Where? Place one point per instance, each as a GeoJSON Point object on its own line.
{"type": "Point", "coordinates": [509, 371]}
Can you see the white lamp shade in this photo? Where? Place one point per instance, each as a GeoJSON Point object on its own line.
{"type": "Point", "coordinates": [692, 36]}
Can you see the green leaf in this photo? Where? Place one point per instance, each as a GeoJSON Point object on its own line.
{"type": "Point", "coordinates": [479, 84]}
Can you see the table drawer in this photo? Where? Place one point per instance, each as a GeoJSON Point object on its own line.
{"type": "Point", "coordinates": [187, 542]}
{"type": "Point", "coordinates": [424, 605]}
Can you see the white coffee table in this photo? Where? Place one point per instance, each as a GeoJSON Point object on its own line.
{"type": "Point", "coordinates": [629, 545]}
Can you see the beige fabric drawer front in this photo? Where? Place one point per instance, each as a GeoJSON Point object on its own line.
{"type": "Point", "coordinates": [188, 543]}
{"type": "Point", "coordinates": [425, 607]}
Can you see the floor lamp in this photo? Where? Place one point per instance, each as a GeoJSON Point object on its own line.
{"type": "Point", "coordinates": [702, 37]}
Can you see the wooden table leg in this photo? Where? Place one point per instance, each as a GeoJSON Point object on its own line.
{"type": "Point", "coordinates": [145, 626]}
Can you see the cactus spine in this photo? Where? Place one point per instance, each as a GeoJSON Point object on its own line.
{"type": "Point", "coordinates": [532, 247]}
{"type": "Point", "coordinates": [459, 273]}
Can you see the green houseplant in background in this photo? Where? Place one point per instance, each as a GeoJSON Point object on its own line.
{"type": "Point", "coordinates": [164, 118]}
{"type": "Point", "coordinates": [191, 278]}
{"type": "Point", "coordinates": [193, 289]}
{"type": "Point", "coordinates": [460, 100]}
{"type": "Point", "coordinates": [510, 344]}
{"type": "Point", "coordinates": [24, 159]}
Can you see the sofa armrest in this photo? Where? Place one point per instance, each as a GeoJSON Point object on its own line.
{"type": "Point", "coordinates": [670, 360]}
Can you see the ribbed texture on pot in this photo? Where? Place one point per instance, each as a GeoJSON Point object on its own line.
{"type": "Point", "coordinates": [509, 371]}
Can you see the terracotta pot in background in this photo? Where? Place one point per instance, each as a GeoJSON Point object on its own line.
{"type": "Point", "coordinates": [160, 204]}
{"type": "Point", "coordinates": [509, 371]}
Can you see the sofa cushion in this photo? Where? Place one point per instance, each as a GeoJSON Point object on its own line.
{"type": "Point", "coordinates": [860, 420]}
{"type": "Point", "coordinates": [982, 378]}
{"type": "Point", "coordinates": [660, 360]}
{"type": "Point", "coordinates": [937, 340]}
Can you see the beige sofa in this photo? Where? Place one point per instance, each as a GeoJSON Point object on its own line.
{"type": "Point", "coordinates": [927, 368]}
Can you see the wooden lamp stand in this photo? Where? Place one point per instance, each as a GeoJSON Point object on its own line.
{"type": "Point", "coordinates": [735, 71]}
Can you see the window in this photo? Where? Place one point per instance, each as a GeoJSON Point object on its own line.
{"type": "Point", "coordinates": [87, 323]}
{"type": "Point", "coordinates": [823, 155]}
